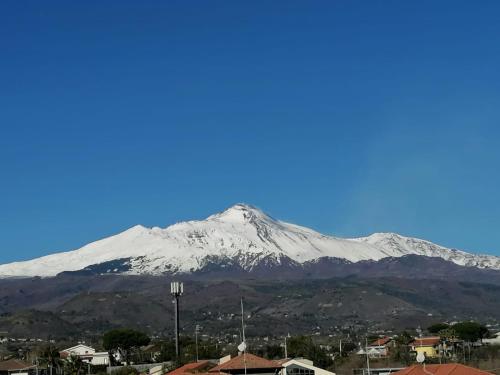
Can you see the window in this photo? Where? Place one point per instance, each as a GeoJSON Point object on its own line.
{"type": "Point", "coordinates": [296, 370]}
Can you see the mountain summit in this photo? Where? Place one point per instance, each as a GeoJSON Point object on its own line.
{"type": "Point", "coordinates": [241, 212]}
{"type": "Point", "coordinates": [242, 236]}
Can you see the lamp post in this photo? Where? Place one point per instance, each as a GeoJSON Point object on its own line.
{"type": "Point", "coordinates": [176, 290]}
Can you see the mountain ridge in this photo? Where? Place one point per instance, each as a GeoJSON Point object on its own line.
{"type": "Point", "coordinates": [241, 234]}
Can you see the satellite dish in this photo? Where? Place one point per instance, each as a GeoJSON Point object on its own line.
{"type": "Point", "coordinates": [242, 347]}
{"type": "Point", "coordinates": [421, 357]}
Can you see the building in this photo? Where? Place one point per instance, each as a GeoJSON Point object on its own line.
{"type": "Point", "coordinates": [495, 340]}
{"type": "Point", "coordinates": [447, 369]}
{"type": "Point", "coordinates": [379, 348]}
{"type": "Point", "coordinates": [301, 366]}
{"type": "Point", "coordinates": [151, 351]}
{"type": "Point", "coordinates": [247, 364]}
{"type": "Point", "coordinates": [15, 366]}
{"type": "Point", "coordinates": [429, 346]}
{"type": "Point", "coordinates": [87, 354]}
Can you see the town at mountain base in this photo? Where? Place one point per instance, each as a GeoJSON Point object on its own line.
{"type": "Point", "coordinates": [80, 357]}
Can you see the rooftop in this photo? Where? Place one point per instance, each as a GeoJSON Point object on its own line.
{"type": "Point", "coordinates": [14, 365]}
{"type": "Point", "coordinates": [249, 361]}
{"type": "Point", "coordinates": [192, 368]}
{"type": "Point", "coordinates": [381, 341]}
{"type": "Point", "coordinates": [447, 369]}
{"type": "Point", "coordinates": [426, 341]}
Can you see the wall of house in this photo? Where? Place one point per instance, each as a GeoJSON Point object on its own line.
{"type": "Point", "coordinates": [82, 350]}
{"type": "Point", "coordinates": [429, 351]}
{"type": "Point", "coordinates": [99, 359]}
{"type": "Point", "coordinates": [493, 341]}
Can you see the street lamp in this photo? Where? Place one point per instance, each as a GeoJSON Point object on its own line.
{"type": "Point", "coordinates": [176, 290]}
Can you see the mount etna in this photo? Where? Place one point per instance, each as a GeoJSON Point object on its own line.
{"type": "Point", "coordinates": [293, 279]}
{"type": "Point", "coordinates": [241, 238]}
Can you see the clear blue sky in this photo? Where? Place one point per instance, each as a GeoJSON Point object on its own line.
{"type": "Point", "coordinates": [350, 117]}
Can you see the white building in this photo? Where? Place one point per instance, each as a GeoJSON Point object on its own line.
{"type": "Point", "coordinates": [301, 366]}
{"type": "Point", "coordinates": [495, 340]}
{"type": "Point", "coordinates": [87, 355]}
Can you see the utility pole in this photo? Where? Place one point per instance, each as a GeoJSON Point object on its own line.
{"type": "Point", "coordinates": [196, 330]}
{"type": "Point", "coordinates": [286, 344]}
{"type": "Point", "coordinates": [243, 346]}
{"type": "Point", "coordinates": [176, 290]}
{"type": "Point", "coordinates": [367, 357]}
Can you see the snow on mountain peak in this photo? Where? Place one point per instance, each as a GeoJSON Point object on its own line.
{"type": "Point", "coordinates": [242, 235]}
{"type": "Point", "coordinates": [241, 213]}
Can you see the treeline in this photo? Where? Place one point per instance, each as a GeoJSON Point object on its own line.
{"type": "Point", "coordinates": [466, 331]}
{"type": "Point", "coordinates": [128, 343]}
{"type": "Point", "coordinates": [303, 347]}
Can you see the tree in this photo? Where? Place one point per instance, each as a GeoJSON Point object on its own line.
{"type": "Point", "coordinates": [126, 370]}
{"type": "Point", "coordinates": [303, 346]}
{"type": "Point", "coordinates": [347, 347]}
{"type": "Point", "coordinates": [50, 357]}
{"type": "Point", "coordinates": [401, 352]}
{"type": "Point", "coordinates": [470, 331]}
{"type": "Point", "coordinates": [124, 340]}
{"type": "Point", "coordinates": [448, 334]}
{"type": "Point", "coordinates": [167, 351]}
{"type": "Point", "coordinates": [206, 349]}
{"type": "Point", "coordinates": [436, 328]}
{"type": "Point", "coordinates": [271, 352]}
{"type": "Point", "coordinates": [73, 365]}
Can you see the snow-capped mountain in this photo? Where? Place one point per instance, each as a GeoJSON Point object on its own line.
{"type": "Point", "coordinates": [241, 235]}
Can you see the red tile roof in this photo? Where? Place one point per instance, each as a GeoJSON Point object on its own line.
{"type": "Point", "coordinates": [192, 368]}
{"type": "Point", "coordinates": [448, 369]}
{"type": "Point", "coordinates": [426, 341]}
{"type": "Point", "coordinates": [381, 342]}
{"type": "Point", "coordinates": [14, 365]}
{"type": "Point", "coordinates": [251, 361]}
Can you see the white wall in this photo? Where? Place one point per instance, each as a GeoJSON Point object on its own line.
{"type": "Point", "coordinates": [305, 364]}
{"type": "Point", "coordinates": [81, 350]}
{"type": "Point", "coordinates": [100, 359]}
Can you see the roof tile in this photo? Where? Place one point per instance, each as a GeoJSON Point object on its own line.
{"type": "Point", "coordinates": [447, 369]}
{"type": "Point", "coordinates": [250, 360]}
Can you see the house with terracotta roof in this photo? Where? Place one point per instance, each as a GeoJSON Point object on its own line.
{"type": "Point", "coordinates": [199, 368]}
{"type": "Point", "coordinates": [247, 363]}
{"type": "Point", "coordinates": [16, 366]}
{"type": "Point", "coordinates": [429, 346]}
{"type": "Point", "coordinates": [446, 369]}
{"type": "Point", "coordinates": [379, 348]}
